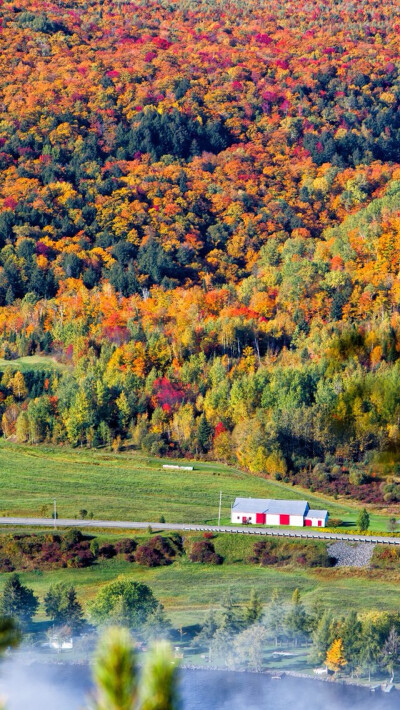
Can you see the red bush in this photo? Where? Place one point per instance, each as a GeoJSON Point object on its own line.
{"type": "Point", "coordinates": [158, 551]}
{"type": "Point", "coordinates": [107, 551]}
{"type": "Point", "coordinates": [125, 546]}
{"type": "Point", "coordinates": [204, 551]}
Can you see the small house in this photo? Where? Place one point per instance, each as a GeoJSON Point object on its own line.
{"type": "Point", "coordinates": [316, 518]}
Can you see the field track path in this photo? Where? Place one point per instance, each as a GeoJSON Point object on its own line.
{"type": "Point", "coordinates": [131, 525]}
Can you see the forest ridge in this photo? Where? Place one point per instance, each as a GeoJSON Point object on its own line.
{"type": "Point", "coordinates": [199, 218]}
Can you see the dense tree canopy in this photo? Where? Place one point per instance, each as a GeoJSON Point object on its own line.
{"type": "Point", "coordinates": [199, 218]}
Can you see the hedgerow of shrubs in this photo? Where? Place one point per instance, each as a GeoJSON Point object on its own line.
{"type": "Point", "coordinates": [55, 550]}
{"type": "Point", "coordinates": [338, 481]}
{"type": "Point", "coordinates": [47, 551]}
{"type": "Point", "coordinates": [273, 552]}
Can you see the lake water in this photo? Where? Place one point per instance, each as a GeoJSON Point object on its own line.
{"type": "Point", "coordinates": [62, 687]}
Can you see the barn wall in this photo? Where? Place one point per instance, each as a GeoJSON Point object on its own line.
{"type": "Point", "coordinates": [314, 522]}
{"type": "Point", "coordinates": [297, 520]}
{"type": "Point", "coordinates": [238, 517]}
{"type": "Point", "coordinates": [272, 519]}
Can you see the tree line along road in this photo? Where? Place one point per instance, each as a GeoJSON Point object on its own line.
{"type": "Point", "coordinates": [129, 525]}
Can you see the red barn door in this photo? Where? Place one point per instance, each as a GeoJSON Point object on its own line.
{"type": "Point", "coordinates": [308, 522]}
{"type": "Point", "coordinates": [260, 518]}
{"type": "Point", "coordinates": [284, 520]}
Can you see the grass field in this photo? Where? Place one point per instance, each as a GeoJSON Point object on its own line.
{"type": "Point", "coordinates": [187, 590]}
{"type": "Point", "coordinates": [131, 486]}
{"type": "Point", "coordinates": [32, 362]}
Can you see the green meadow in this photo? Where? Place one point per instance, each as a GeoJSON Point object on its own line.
{"type": "Point", "coordinates": [32, 362]}
{"type": "Point", "coordinates": [133, 487]}
{"type": "Point", "coordinates": [188, 590]}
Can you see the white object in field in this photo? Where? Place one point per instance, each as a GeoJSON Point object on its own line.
{"type": "Point", "coordinates": [61, 644]}
{"type": "Point", "coordinates": [177, 468]}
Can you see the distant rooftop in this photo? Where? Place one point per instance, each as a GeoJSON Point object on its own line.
{"type": "Point", "coordinates": [317, 513]}
{"type": "Point", "coordinates": [267, 505]}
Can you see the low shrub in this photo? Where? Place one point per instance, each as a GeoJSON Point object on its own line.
{"type": "Point", "coordinates": [107, 551]}
{"type": "Point", "coordinates": [157, 552]}
{"type": "Point", "coordinates": [282, 553]}
{"type": "Point", "coordinates": [386, 557]}
{"type": "Point", "coordinates": [125, 546]}
{"type": "Point", "coordinates": [6, 565]}
{"type": "Point", "coordinates": [204, 551]}
{"type": "Point", "coordinates": [391, 492]}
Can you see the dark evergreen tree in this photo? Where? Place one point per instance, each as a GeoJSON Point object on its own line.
{"type": "Point", "coordinates": [204, 432]}
{"type": "Point", "coordinates": [18, 601]}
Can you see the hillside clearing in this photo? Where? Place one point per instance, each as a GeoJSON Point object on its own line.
{"type": "Point", "coordinates": [131, 486]}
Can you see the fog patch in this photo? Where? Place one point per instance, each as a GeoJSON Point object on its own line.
{"type": "Point", "coordinates": [63, 686]}
{"type": "Point", "coordinates": [36, 686]}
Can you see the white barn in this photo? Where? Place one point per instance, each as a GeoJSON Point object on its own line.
{"type": "Point", "coordinates": [265, 511]}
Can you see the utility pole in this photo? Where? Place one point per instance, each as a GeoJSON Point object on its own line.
{"type": "Point", "coordinates": [219, 509]}
{"type": "Point", "coordinates": [55, 513]}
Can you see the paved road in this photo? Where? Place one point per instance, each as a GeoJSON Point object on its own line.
{"type": "Point", "coordinates": [129, 525]}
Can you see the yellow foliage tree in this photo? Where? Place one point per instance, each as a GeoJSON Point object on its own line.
{"type": "Point", "coordinates": [18, 385]}
{"type": "Point", "coordinates": [335, 659]}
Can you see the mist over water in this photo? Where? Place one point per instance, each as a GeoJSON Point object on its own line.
{"type": "Point", "coordinates": [43, 687]}
{"type": "Point", "coordinates": [67, 687]}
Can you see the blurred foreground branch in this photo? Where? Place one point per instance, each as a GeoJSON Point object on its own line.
{"type": "Point", "coordinates": [118, 686]}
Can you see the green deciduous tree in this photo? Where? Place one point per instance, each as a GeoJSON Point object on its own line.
{"type": "Point", "coordinates": [123, 602]}
{"type": "Point", "coordinates": [157, 625]}
{"type": "Point", "coordinates": [249, 647]}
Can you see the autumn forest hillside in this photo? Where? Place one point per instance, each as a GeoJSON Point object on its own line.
{"type": "Point", "coordinates": [200, 222]}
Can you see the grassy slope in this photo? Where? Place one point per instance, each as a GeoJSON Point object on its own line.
{"type": "Point", "coordinates": [187, 590]}
{"type": "Point", "coordinates": [32, 362]}
{"type": "Point", "coordinates": [130, 486]}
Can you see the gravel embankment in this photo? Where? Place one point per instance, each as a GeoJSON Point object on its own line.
{"type": "Point", "coordinates": [351, 554]}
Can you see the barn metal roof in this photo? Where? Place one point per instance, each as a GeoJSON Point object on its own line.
{"type": "Point", "coordinates": [266, 505]}
{"type": "Point", "coordinates": [317, 514]}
